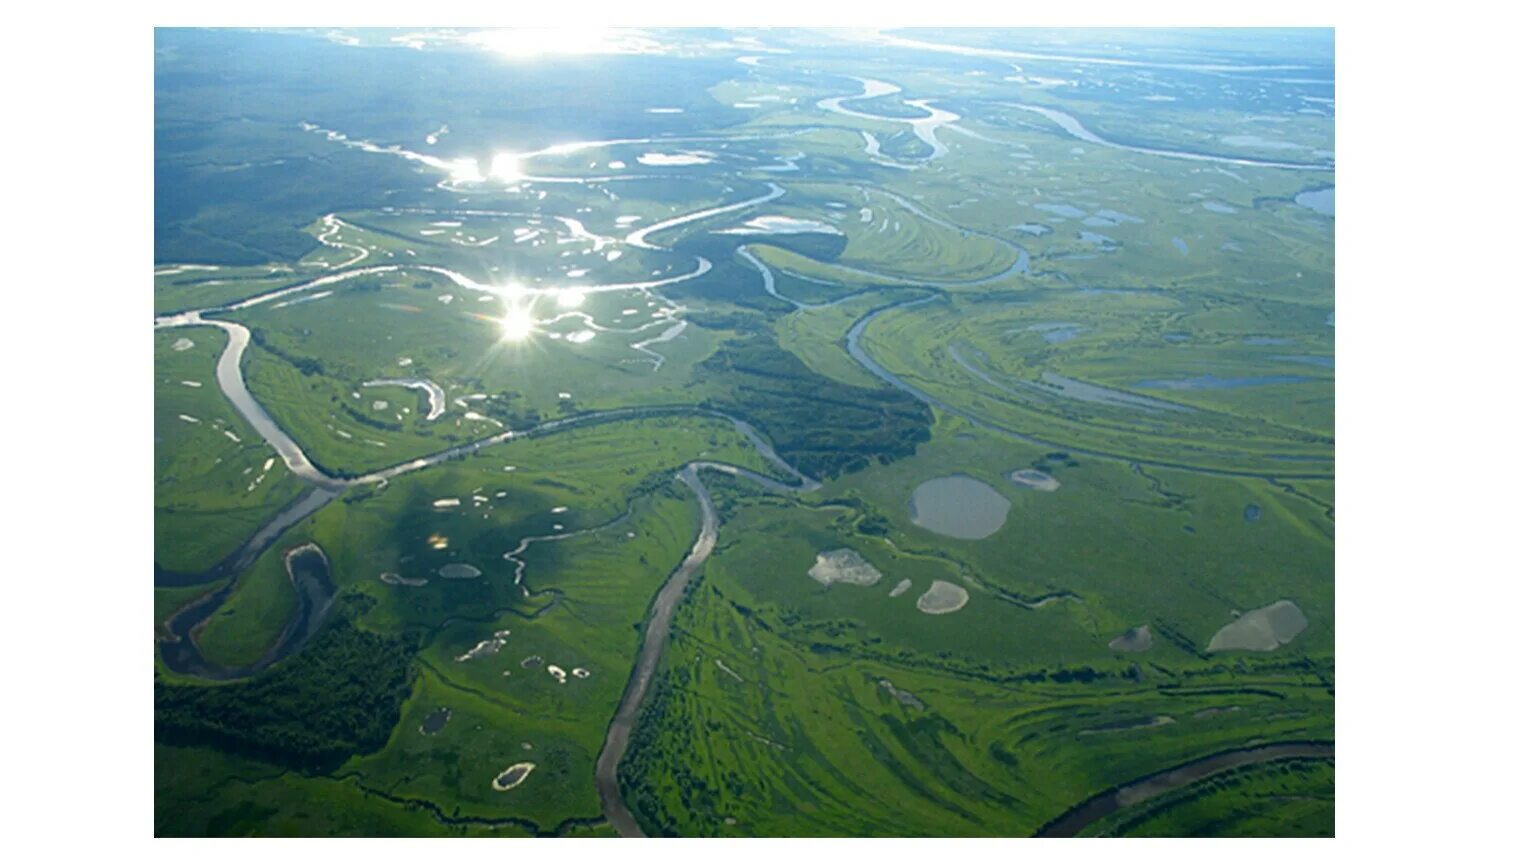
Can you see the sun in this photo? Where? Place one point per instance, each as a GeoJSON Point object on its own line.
{"type": "Point", "coordinates": [517, 325]}
{"type": "Point", "coordinates": [506, 167]}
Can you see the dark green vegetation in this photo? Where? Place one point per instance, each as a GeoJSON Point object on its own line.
{"type": "Point", "coordinates": [1148, 338]}
{"type": "Point", "coordinates": [341, 698]}
{"type": "Point", "coordinates": [818, 424]}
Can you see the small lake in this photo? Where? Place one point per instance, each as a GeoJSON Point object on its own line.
{"type": "Point", "coordinates": [958, 506]}
{"type": "Point", "coordinates": [436, 721]}
{"type": "Point", "coordinates": [1264, 629]}
{"type": "Point", "coordinates": [1318, 200]}
{"type": "Point", "coordinates": [512, 777]}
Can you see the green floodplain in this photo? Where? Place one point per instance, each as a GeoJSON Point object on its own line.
{"type": "Point", "coordinates": [753, 434]}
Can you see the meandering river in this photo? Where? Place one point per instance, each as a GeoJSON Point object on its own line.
{"type": "Point", "coordinates": [658, 628]}
{"type": "Point", "coordinates": [309, 569]}
{"type": "Point", "coordinates": [925, 128]}
{"type": "Point", "coordinates": [1074, 128]}
{"type": "Point", "coordinates": [1075, 821]}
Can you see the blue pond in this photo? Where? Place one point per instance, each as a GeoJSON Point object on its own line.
{"type": "Point", "coordinates": [1318, 200]}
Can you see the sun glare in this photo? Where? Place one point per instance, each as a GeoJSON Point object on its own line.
{"type": "Point", "coordinates": [465, 171]}
{"type": "Point", "coordinates": [517, 325]}
{"type": "Point", "coordinates": [506, 167]}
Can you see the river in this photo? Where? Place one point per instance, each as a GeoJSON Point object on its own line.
{"type": "Point", "coordinates": [310, 570]}
{"type": "Point", "coordinates": [657, 631]}
{"type": "Point", "coordinates": [1075, 821]}
{"type": "Point", "coordinates": [925, 128]}
{"type": "Point", "coordinates": [1074, 127]}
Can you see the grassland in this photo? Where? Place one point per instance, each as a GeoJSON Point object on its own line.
{"type": "Point", "coordinates": [213, 484]}
{"type": "Point", "coordinates": [249, 622]}
{"type": "Point", "coordinates": [1076, 367]}
{"type": "Point", "coordinates": [818, 336]}
{"type": "Point", "coordinates": [584, 596]}
{"type": "Point", "coordinates": [889, 235]}
{"type": "Point", "coordinates": [1165, 355]}
{"type": "Point", "coordinates": [772, 715]}
{"type": "Point", "coordinates": [309, 363]}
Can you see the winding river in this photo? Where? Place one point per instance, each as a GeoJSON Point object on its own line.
{"type": "Point", "coordinates": [1075, 129]}
{"type": "Point", "coordinates": [309, 569]}
{"type": "Point", "coordinates": [925, 128]}
{"type": "Point", "coordinates": [435, 396]}
{"type": "Point", "coordinates": [658, 630]}
{"type": "Point", "coordinates": [180, 652]}
{"type": "Point", "coordinates": [1075, 821]}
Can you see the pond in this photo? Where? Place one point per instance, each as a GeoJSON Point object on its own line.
{"type": "Point", "coordinates": [1034, 479]}
{"type": "Point", "coordinates": [435, 721]}
{"type": "Point", "coordinates": [942, 598]}
{"type": "Point", "coordinates": [1264, 629]}
{"type": "Point", "coordinates": [958, 506]}
{"type": "Point", "coordinates": [1318, 200]}
{"type": "Point", "coordinates": [512, 777]}
{"type": "Point", "coordinates": [843, 565]}
{"type": "Point", "coordinates": [456, 570]}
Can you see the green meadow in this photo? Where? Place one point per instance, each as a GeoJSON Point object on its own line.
{"type": "Point", "coordinates": [1063, 396]}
